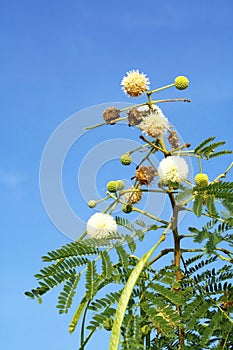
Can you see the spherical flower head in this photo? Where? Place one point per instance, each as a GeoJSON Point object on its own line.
{"type": "Point", "coordinates": [101, 225]}
{"type": "Point", "coordinates": [127, 208]}
{"type": "Point", "coordinates": [154, 123]}
{"type": "Point", "coordinates": [181, 82]}
{"type": "Point", "coordinates": [134, 83]}
{"type": "Point", "coordinates": [172, 170]}
{"type": "Point", "coordinates": [120, 185]}
{"type": "Point", "coordinates": [201, 180]}
{"type": "Point", "coordinates": [145, 175]}
{"type": "Point", "coordinates": [112, 186]}
{"type": "Point", "coordinates": [126, 159]}
{"type": "Point", "coordinates": [92, 203]}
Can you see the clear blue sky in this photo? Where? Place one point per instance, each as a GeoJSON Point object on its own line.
{"type": "Point", "coordinates": [58, 57]}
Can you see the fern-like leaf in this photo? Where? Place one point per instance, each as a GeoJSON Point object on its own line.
{"type": "Point", "coordinates": [197, 205]}
{"type": "Point", "coordinates": [65, 298]}
{"type": "Point", "coordinates": [203, 143]}
{"type": "Point", "coordinates": [106, 265]}
{"type": "Point", "coordinates": [125, 223]}
{"type": "Point", "coordinates": [123, 256]}
{"type": "Point", "coordinates": [91, 280]}
{"type": "Point", "coordinates": [70, 250]}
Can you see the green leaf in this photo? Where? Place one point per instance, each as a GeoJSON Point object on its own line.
{"type": "Point", "coordinates": [197, 205]}
{"type": "Point", "coordinates": [125, 223]}
{"type": "Point", "coordinates": [78, 314]}
{"type": "Point", "coordinates": [220, 153]}
{"type": "Point", "coordinates": [210, 205]}
{"type": "Point", "coordinates": [91, 283]}
{"type": "Point", "coordinates": [125, 296]}
{"type": "Point", "coordinates": [184, 193]}
{"type": "Point", "coordinates": [65, 298]}
{"type": "Point", "coordinates": [106, 265]}
{"type": "Point", "coordinates": [203, 143]}
{"type": "Point", "coordinates": [123, 256]}
{"type": "Point", "coordinates": [131, 243]}
{"type": "Point", "coordinates": [30, 295]}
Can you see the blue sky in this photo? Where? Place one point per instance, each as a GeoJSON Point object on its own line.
{"type": "Point", "coordinates": [58, 57]}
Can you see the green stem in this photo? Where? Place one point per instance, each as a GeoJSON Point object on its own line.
{"type": "Point", "coordinates": [204, 214]}
{"type": "Point", "coordinates": [81, 236]}
{"type": "Point", "coordinates": [162, 253]}
{"type": "Point", "coordinates": [149, 215]}
{"type": "Point", "coordinates": [186, 145]}
{"type": "Point", "coordinates": [83, 326]}
{"type": "Point", "coordinates": [162, 88]}
{"type": "Point", "coordinates": [137, 149]}
{"type": "Point", "coordinates": [150, 103]}
{"type": "Point", "coordinates": [141, 190]}
{"type": "Point", "coordinates": [104, 123]}
{"type": "Point", "coordinates": [151, 151]}
{"type": "Point", "coordinates": [224, 174]}
{"type": "Point", "coordinates": [172, 100]}
{"type": "Point", "coordinates": [199, 163]}
{"type": "Point", "coordinates": [134, 106]}
{"type": "Point", "coordinates": [164, 148]}
{"type": "Point", "coordinates": [150, 143]}
{"type": "Point", "coordinates": [148, 341]}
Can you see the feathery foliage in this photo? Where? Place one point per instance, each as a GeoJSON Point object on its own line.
{"type": "Point", "coordinates": [185, 303]}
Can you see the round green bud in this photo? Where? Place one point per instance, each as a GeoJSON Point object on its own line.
{"type": "Point", "coordinates": [108, 323]}
{"type": "Point", "coordinates": [126, 159]}
{"type": "Point", "coordinates": [181, 82]}
{"type": "Point", "coordinates": [127, 208]}
{"type": "Point", "coordinates": [175, 185]}
{"type": "Point", "coordinates": [92, 203]}
{"type": "Point", "coordinates": [112, 186]}
{"type": "Point", "coordinates": [145, 329]}
{"type": "Point", "coordinates": [201, 180]}
{"type": "Point", "coordinates": [120, 185]}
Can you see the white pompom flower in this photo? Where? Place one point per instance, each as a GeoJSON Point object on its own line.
{"type": "Point", "coordinates": [173, 169]}
{"type": "Point", "coordinates": [154, 123]}
{"type": "Point", "coordinates": [101, 225]}
{"type": "Point", "coordinates": [134, 83]}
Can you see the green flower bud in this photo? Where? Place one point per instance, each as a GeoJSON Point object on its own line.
{"type": "Point", "coordinates": [126, 159]}
{"type": "Point", "coordinates": [120, 185]}
{"type": "Point", "coordinates": [145, 329]}
{"type": "Point", "coordinates": [112, 186]}
{"type": "Point", "coordinates": [181, 82]}
{"type": "Point", "coordinates": [201, 180]}
{"type": "Point", "coordinates": [127, 208]}
{"type": "Point", "coordinates": [92, 203]}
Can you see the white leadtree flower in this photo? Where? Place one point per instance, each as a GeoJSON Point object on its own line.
{"type": "Point", "coordinates": [134, 83]}
{"type": "Point", "coordinates": [154, 123]}
{"type": "Point", "coordinates": [173, 169]}
{"type": "Point", "coordinates": [101, 225]}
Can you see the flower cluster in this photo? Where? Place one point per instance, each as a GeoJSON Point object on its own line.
{"type": "Point", "coordinates": [173, 170]}
{"type": "Point", "coordinates": [154, 123]}
{"type": "Point", "coordinates": [134, 83]}
{"type": "Point", "coordinates": [101, 225]}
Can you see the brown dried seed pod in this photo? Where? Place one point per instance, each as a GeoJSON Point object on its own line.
{"type": "Point", "coordinates": [173, 139]}
{"type": "Point", "coordinates": [134, 117]}
{"type": "Point", "coordinates": [111, 114]}
{"type": "Point", "coordinates": [133, 197]}
{"type": "Point", "coordinates": [145, 175]}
